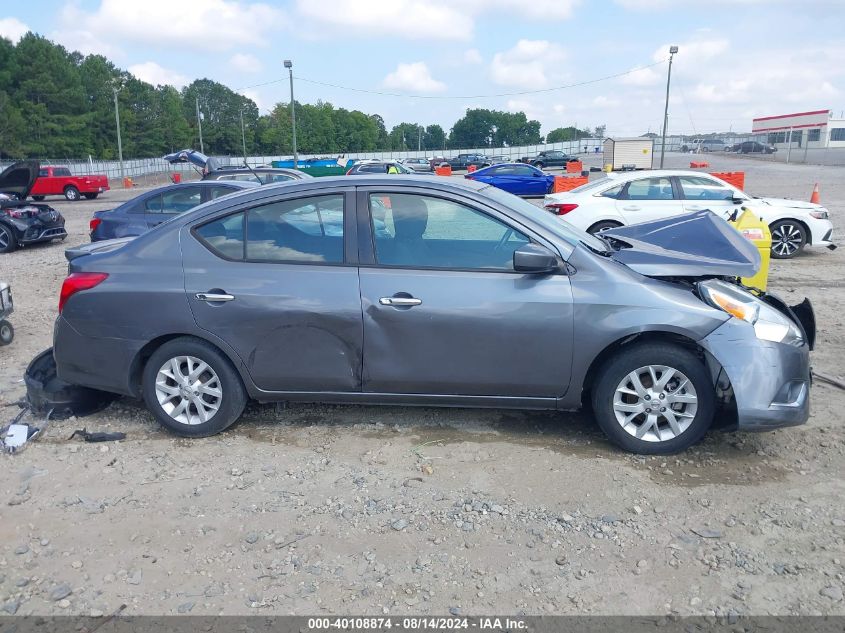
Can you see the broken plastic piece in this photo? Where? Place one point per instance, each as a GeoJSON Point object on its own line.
{"type": "Point", "coordinates": [98, 436]}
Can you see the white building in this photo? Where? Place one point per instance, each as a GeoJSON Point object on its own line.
{"type": "Point", "coordinates": [815, 130]}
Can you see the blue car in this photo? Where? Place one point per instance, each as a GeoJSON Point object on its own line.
{"type": "Point", "coordinates": [142, 213]}
{"type": "Point", "coordinates": [516, 178]}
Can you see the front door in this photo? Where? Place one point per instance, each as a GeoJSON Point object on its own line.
{"type": "Point", "coordinates": [703, 192]}
{"type": "Point", "coordinates": [276, 284]}
{"type": "Point", "coordinates": [444, 311]}
{"type": "Point", "coordinates": [646, 199]}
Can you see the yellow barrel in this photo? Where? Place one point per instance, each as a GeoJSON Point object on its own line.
{"type": "Point", "coordinates": [608, 167]}
{"type": "Point", "coordinates": [754, 229]}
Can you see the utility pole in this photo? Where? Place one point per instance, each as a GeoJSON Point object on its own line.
{"type": "Point", "coordinates": [289, 66]}
{"type": "Point", "coordinates": [672, 51]}
{"type": "Point", "coordinates": [419, 138]}
{"type": "Point", "coordinates": [243, 134]}
{"type": "Point", "coordinates": [199, 123]}
{"type": "Point", "coordinates": [115, 90]}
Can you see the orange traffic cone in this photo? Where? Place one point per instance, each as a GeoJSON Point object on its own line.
{"type": "Point", "coordinates": [814, 198]}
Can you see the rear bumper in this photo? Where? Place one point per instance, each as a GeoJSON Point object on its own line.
{"type": "Point", "coordinates": [770, 381]}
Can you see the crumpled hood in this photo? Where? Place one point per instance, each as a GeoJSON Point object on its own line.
{"type": "Point", "coordinates": [18, 179]}
{"type": "Point", "coordinates": [691, 245]}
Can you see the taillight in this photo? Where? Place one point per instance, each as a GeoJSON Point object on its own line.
{"type": "Point", "coordinates": [93, 224]}
{"type": "Point", "coordinates": [561, 208]}
{"type": "Point", "coordinates": [76, 282]}
{"type": "Point", "coordinates": [349, 172]}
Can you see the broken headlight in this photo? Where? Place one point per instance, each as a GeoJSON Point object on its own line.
{"type": "Point", "coordinates": [769, 324]}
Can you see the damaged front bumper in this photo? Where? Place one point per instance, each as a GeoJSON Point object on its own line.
{"type": "Point", "coordinates": [770, 381]}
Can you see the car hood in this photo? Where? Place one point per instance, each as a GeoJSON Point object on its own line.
{"type": "Point", "coordinates": [696, 244]}
{"type": "Point", "coordinates": [18, 178]}
{"type": "Point", "coordinates": [785, 203]}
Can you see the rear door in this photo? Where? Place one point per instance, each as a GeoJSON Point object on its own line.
{"type": "Point", "coordinates": [277, 280]}
{"type": "Point", "coordinates": [645, 199]}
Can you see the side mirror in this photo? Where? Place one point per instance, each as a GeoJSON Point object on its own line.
{"type": "Point", "coordinates": [534, 258]}
{"type": "Point", "coordinates": [737, 200]}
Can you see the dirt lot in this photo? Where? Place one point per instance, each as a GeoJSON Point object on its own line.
{"type": "Point", "coordinates": [342, 509]}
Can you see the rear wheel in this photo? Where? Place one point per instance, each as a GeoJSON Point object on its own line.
{"type": "Point", "coordinates": [91, 196]}
{"type": "Point", "coordinates": [7, 332]}
{"type": "Point", "coordinates": [598, 227]}
{"type": "Point", "coordinates": [655, 398]}
{"type": "Point", "coordinates": [788, 239]}
{"type": "Point", "coordinates": [72, 193]}
{"type": "Point", "coordinates": [192, 389]}
{"type": "Point", "coordinates": [8, 243]}
{"type": "Point", "coordinates": [38, 198]}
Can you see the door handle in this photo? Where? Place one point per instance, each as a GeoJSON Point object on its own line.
{"type": "Point", "coordinates": [399, 301]}
{"type": "Point", "coordinates": [211, 296]}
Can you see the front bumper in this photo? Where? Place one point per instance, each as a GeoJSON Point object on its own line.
{"type": "Point", "coordinates": [821, 232]}
{"type": "Point", "coordinates": [770, 381]}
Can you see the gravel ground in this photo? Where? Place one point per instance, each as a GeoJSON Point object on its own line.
{"type": "Point", "coordinates": [318, 509]}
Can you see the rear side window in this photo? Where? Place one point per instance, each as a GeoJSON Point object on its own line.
{"type": "Point", "coordinates": [61, 171]}
{"type": "Point", "coordinates": [179, 200]}
{"type": "Point", "coordinates": [220, 190]}
{"type": "Point", "coordinates": [225, 236]}
{"type": "Point", "coordinates": [650, 189]}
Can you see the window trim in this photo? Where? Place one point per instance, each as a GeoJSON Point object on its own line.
{"type": "Point", "coordinates": [367, 247]}
{"type": "Point", "coordinates": [350, 233]}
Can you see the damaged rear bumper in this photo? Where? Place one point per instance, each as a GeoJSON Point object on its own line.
{"type": "Point", "coordinates": [770, 381]}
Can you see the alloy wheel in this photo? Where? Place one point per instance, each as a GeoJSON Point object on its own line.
{"type": "Point", "coordinates": [655, 403]}
{"type": "Point", "coordinates": [786, 239]}
{"type": "Point", "coordinates": [188, 390]}
{"type": "Point", "coordinates": [4, 239]}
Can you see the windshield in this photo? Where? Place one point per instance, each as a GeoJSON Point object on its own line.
{"type": "Point", "coordinates": [553, 223]}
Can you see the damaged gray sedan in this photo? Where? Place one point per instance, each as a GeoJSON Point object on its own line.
{"type": "Point", "coordinates": [434, 292]}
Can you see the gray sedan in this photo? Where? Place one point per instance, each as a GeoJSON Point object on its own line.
{"type": "Point", "coordinates": [433, 291]}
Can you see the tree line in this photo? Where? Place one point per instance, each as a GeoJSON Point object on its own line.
{"type": "Point", "coordinates": [56, 103]}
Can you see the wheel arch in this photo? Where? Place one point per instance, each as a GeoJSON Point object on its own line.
{"type": "Point", "coordinates": [789, 218]}
{"type": "Point", "coordinates": [604, 221]}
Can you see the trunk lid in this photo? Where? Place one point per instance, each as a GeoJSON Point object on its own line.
{"type": "Point", "coordinates": [104, 246]}
{"type": "Point", "coordinates": [18, 179]}
{"type": "Point", "coordinates": [699, 244]}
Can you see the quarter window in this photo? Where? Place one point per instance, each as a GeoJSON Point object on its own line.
{"type": "Point", "coordinates": [425, 232]}
{"type": "Point", "coordinates": [650, 189]}
{"type": "Point", "coordinates": [613, 192]}
{"type": "Point", "coordinates": [698, 188]}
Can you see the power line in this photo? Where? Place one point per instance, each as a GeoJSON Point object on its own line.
{"type": "Point", "coordinates": [487, 96]}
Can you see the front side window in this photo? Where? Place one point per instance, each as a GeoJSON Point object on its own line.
{"type": "Point", "coordinates": [419, 231]}
{"type": "Point", "coordinates": [649, 189]}
{"type": "Point", "coordinates": [700, 188]}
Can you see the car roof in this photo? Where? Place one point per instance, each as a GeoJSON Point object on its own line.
{"type": "Point", "coordinates": [624, 176]}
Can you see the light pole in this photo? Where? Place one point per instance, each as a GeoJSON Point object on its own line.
{"type": "Point", "coordinates": [199, 123]}
{"type": "Point", "coordinates": [115, 90]}
{"type": "Point", "coordinates": [289, 66]}
{"type": "Point", "coordinates": [672, 51]}
{"type": "Point", "coordinates": [243, 134]}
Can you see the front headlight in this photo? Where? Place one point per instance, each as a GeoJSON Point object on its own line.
{"type": "Point", "coordinates": [820, 215]}
{"type": "Point", "coordinates": [769, 324]}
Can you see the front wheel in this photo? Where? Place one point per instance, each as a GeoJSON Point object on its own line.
{"type": "Point", "coordinates": [539, 165]}
{"type": "Point", "coordinates": [788, 239]}
{"type": "Point", "coordinates": [192, 389]}
{"type": "Point", "coordinates": [7, 332]}
{"type": "Point", "coordinates": [72, 193]}
{"type": "Point", "coordinates": [654, 399]}
{"type": "Point", "coordinates": [8, 243]}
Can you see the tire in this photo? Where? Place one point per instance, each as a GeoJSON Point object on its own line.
{"type": "Point", "coordinates": [788, 238]}
{"type": "Point", "coordinates": [91, 196]}
{"type": "Point", "coordinates": [7, 332]}
{"type": "Point", "coordinates": [185, 353]}
{"type": "Point", "coordinates": [615, 402]}
{"type": "Point", "coordinates": [38, 198]}
{"type": "Point", "coordinates": [8, 242]}
{"type": "Point", "coordinates": [72, 193]}
{"type": "Point", "coordinates": [539, 164]}
{"type": "Point", "coordinates": [601, 226]}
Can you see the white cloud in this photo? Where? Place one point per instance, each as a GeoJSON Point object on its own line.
{"type": "Point", "coordinates": [158, 75]}
{"type": "Point", "coordinates": [642, 77]}
{"type": "Point", "coordinates": [535, 9]}
{"type": "Point", "coordinates": [264, 106]}
{"type": "Point", "coordinates": [531, 64]}
{"type": "Point", "coordinates": [186, 25]}
{"type": "Point", "coordinates": [472, 56]}
{"type": "Point", "coordinates": [415, 77]}
{"type": "Point", "coordinates": [605, 102]}
{"type": "Point", "coordinates": [245, 63]}
{"type": "Point", "coordinates": [13, 29]}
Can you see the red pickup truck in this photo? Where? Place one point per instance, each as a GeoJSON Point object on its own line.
{"type": "Point", "coordinates": [58, 181]}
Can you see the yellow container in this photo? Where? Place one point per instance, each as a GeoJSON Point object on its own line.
{"type": "Point", "coordinates": [754, 229]}
{"type": "Point", "coordinates": [608, 167]}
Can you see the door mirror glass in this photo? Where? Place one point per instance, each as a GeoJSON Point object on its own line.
{"type": "Point", "coordinates": [534, 258]}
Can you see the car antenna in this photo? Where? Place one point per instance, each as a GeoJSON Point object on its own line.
{"type": "Point", "coordinates": [253, 172]}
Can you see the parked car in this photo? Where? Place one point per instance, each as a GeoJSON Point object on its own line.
{"type": "Point", "coordinates": [704, 145]}
{"type": "Point", "coordinates": [516, 178]}
{"type": "Point", "coordinates": [497, 160]}
{"type": "Point", "coordinates": [418, 164]}
{"type": "Point", "coordinates": [753, 147]}
{"type": "Point", "coordinates": [378, 167]}
{"type": "Point", "coordinates": [260, 175]}
{"type": "Point", "coordinates": [466, 296]}
{"type": "Point", "coordinates": [150, 209]}
{"type": "Point", "coordinates": [58, 181]}
{"type": "Point", "coordinates": [633, 197]}
{"type": "Point", "coordinates": [463, 161]}
{"type": "Point", "coordinates": [21, 222]}
{"type": "Point", "coordinates": [549, 158]}
{"type": "Point", "coordinates": [438, 161]}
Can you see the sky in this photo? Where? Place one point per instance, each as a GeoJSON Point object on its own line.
{"type": "Point", "coordinates": [562, 62]}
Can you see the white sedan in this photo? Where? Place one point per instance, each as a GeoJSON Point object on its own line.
{"type": "Point", "coordinates": [634, 197]}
